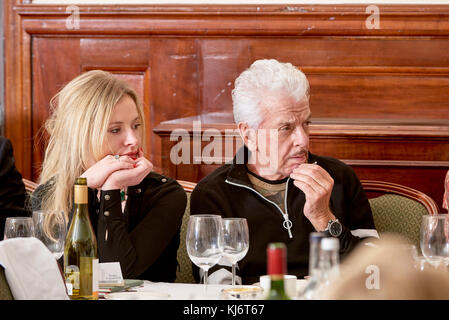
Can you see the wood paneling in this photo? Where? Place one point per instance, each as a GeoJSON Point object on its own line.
{"type": "Point", "coordinates": [379, 97]}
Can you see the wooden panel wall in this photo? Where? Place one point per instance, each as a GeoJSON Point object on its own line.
{"type": "Point", "coordinates": [379, 97]}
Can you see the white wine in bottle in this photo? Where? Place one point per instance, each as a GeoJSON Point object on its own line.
{"type": "Point", "coordinates": [80, 252]}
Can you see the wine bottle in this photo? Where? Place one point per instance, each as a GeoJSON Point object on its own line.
{"type": "Point", "coordinates": [276, 268]}
{"type": "Point", "coordinates": [80, 251]}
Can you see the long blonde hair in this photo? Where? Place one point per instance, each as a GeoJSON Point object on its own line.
{"type": "Point", "coordinates": [77, 127]}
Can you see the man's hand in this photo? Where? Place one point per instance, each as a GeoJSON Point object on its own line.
{"type": "Point", "coordinates": [317, 185]}
{"type": "Point", "coordinates": [129, 177]}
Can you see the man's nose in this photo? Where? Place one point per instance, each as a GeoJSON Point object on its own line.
{"type": "Point", "coordinates": [300, 136]}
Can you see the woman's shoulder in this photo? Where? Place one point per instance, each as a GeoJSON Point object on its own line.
{"type": "Point", "coordinates": [160, 181]}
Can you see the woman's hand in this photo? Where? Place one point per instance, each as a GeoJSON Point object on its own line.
{"type": "Point", "coordinates": [97, 174]}
{"type": "Point", "coordinates": [129, 177]}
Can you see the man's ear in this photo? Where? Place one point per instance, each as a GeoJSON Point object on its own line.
{"type": "Point", "coordinates": [248, 136]}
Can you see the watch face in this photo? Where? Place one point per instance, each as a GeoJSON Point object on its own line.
{"type": "Point", "coordinates": [335, 229]}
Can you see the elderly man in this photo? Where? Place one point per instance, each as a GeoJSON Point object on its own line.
{"type": "Point", "coordinates": [284, 191]}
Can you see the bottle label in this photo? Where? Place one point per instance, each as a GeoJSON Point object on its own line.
{"type": "Point", "coordinates": [69, 288]}
{"type": "Point", "coordinates": [72, 276]}
{"type": "Point", "coordinates": [81, 194]}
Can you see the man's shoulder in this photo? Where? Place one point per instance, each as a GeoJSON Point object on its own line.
{"type": "Point", "coordinates": [217, 176]}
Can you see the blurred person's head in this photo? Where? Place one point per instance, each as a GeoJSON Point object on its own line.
{"type": "Point", "coordinates": [273, 97]}
{"type": "Point", "coordinates": [387, 271]}
{"type": "Point", "coordinates": [94, 115]}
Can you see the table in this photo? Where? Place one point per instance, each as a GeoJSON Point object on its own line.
{"type": "Point", "coordinates": [176, 291]}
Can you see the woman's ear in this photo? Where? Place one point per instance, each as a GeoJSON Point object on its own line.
{"type": "Point", "coordinates": [248, 136]}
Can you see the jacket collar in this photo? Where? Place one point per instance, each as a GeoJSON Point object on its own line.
{"type": "Point", "coordinates": [238, 170]}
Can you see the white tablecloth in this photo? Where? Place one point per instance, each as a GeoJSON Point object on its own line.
{"type": "Point", "coordinates": [171, 291]}
{"type": "Point", "coordinates": [175, 291]}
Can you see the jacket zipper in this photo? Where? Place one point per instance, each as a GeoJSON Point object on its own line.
{"type": "Point", "coordinates": [287, 224]}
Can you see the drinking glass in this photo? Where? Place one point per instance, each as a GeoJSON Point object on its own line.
{"type": "Point", "coordinates": [18, 227]}
{"type": "Point", "coordinates": [204, 241]}
{"type": "Point", "coordinates": [236, 241]}
{"type": "Point", "coordinates": [434, 239]}
{"type": "Point", "coordinates": [51, 227]}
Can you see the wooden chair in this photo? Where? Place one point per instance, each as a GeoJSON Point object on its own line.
{"type": "Point", "coordinates": [397, 208]}
{"type": "Point", "coordinates": [184, 273]}
{"type": "Point", "coordinates": [5, 291]}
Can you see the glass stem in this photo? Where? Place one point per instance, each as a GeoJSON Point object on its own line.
{"type": "Point", "coordinates": [205, 281]}
{"type": "Point", "coordinates": [233, 274]}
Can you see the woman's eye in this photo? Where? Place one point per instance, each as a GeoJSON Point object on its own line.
{"type": "Point", "coordinates": [117, 130]}
{"type": "Point", "coordinates": [137, 125]}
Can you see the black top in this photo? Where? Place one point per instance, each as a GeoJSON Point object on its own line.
{"type": "Point", "coordinates": [12, 189]}
{"type": "Point", "coordinates": [145, 238]}
{"type": "Point", "coordinates": [228, 191]}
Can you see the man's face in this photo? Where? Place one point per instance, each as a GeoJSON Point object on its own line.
{"type": "Point", "coordinates": [289, 121]}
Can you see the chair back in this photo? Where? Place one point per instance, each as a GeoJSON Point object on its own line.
{"type": "Point", "coordinates": [184, 273]}
{"type": "Point", "coordinates": [398, 209]}
{"type": "Point", "coordinates": [5, 291]}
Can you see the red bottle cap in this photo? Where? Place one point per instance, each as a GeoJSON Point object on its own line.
{"type": "Point", "coordinates": [276, 258]}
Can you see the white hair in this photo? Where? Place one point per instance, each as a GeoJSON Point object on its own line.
{"type": "Point", "coordinates": [263, 78]}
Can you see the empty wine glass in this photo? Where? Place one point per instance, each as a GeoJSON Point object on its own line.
{"type": "Point", "coordinates": [204, 241]}
{"type": "Point", "coordinates": [435, 239]}
{"type": "Point", "coordinates": [51, 227]}
{"type": "Point", "coordinates": [236, 241]}
{"type": "Point", "coordinates": [18, 227]}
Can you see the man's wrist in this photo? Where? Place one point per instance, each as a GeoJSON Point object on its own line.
{"type": "Point", "coordinates": [321, 224]}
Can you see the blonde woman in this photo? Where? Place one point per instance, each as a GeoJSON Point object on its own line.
{"type": "Point", "coordinates": [97, 131]}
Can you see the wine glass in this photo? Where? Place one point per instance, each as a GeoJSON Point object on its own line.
{"type": "Point", "coordinates": [435, 239]}
{"type": "Point", "coordinates": [51, 227]}
{"type": "Point", "coordinates": [204, 241]}
{"type": "Point", "coordinates": [18, 227]}
{"type": "Point", "coordinates": [236, 241]}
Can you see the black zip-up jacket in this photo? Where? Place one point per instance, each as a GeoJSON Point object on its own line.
{"type": "Point", "coordinates": [228, 192]}
{"type": "Point", "coordinates": [145, 238]}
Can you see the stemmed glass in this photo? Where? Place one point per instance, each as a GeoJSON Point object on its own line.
{"type": "Point", "coordinates": [204, 241]}
{"type": "Point", "coordinates": [435, 239]}
{"type": "Point", "coordinates": [51, 228]}
{"type": "Point", "coordinates": [236, 241]}
{"type": "Point", "coordinates": [18, 227]}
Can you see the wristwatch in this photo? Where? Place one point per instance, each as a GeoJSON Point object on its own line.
{"type": "Point", "coordinates": [334, 228]}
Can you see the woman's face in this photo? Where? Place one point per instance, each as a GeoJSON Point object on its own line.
{"type": "Point", "coordinates": [124, 133]}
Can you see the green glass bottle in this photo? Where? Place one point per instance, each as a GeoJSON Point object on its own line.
{"type": "Point", "coordinates": [80, 251]}
{"type": "Point", "coordinates": [276, 269]}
